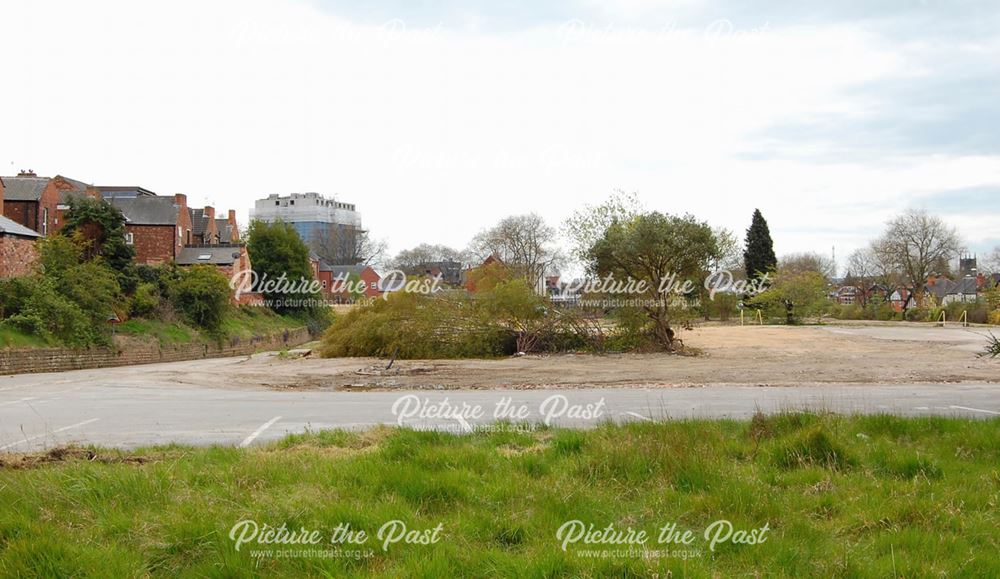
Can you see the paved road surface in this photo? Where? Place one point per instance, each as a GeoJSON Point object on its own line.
{"type": "Point", "coordinates": [106, 407]}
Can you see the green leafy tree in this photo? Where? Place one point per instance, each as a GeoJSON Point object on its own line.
{"type": "Point", "coordinates": [798, 293]}
{"type": "Point", "coordinates": [277, 252]}
{"type": "Point", "coordinates": [758, 255]}
{"type": "Point", "coordinates": [651, 248]}
{"type": "Point", "coordinates": [100, 227]}
{"type": "Point", "coordinates": [202, 294]}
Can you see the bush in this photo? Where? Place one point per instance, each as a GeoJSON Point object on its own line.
{"type": "Point", "coordinates": [202, 294]}
{"type": "Point", "coordinates": [146, 299]}
{"type": "Point", "coordinates": [506, 319]}
{"type": "Point", "coordinates": [41, 310]}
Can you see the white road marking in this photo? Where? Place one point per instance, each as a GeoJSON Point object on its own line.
{"type": "Point", "coordinates": [921, 408]}
{"type": "Point", "coordinates": [637, 415]}
{"type": "Point", "coordinates": [63, 429]}
{"type": "Point", "coordinates": [976, 410]}
{"type": "Point", "coordinates": [16, 401]}
{"type": "Point", "coordinates": [246, 442]}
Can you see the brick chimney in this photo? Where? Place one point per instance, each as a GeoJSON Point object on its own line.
{"type": "Point", "coordinates": [234, 229]}
{"type": "Point", "coordinates": [210, 212]}
{"type": "Point", "coordinates": [180, 199]}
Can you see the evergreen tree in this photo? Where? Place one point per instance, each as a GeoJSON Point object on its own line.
{"type": "Point", "coordinates": [759, 253]}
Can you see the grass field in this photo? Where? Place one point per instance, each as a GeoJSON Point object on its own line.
{"type": "Point", "coordinates": [861, 496]}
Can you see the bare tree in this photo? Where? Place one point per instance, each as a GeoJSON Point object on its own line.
{"type": "Point", "coordinates": [523, 243]}
{"type": "Point", "coordinates": [587, 225]}
{"type": "Point", "coordinates": [991, 264]}
{"type": "Point", "coordinates": [346, 245]}
{"type": "Point", "coordinates": [869, 266]}
{"type": "Point", "coordinates": [797, 263]}
{"type": "Point", "coordinates": [918, 244]}
{"type": "Point", "coordinates": [730, 252]}
{"type": "Point", "coordinates": [427, 253]}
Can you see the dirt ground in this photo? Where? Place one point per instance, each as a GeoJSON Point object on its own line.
{"type": "Point", "coordinates": [752, 355]}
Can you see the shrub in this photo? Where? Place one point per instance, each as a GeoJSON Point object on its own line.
{"type": "Point", "coordinates": [43, 311]}
{"type": "Point", "coordinates": [146, 299]}
{"type": "Point", "coordinates": [202, 294]}
{"type": "Point", "coordinates": [506, 319]}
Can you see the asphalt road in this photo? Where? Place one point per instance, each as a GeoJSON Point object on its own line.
{"type": "Point", "coordinates": [104, 407]}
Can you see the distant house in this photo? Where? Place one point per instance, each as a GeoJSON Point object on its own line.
{"type": "Point", "coordinates": [231, 259]}
{"type": "Point", "coordinates": [848, 295]}
{"type": "Point", "coordinates": [900, 299]}
{"type": "Point", "coordinates": [38, 203]}
{"type": "Point", "coordinates": [341, 276]}
{"type": "Point", "coordinates": [473, 274]}
{"type": "Point", "coordinates": [159, 227]}
{"type": "Point", "coordinates": [17, 244]}
{"type": "Point", "coordinates": [449, 271]}
{"type": "Point", "coordinates": [941, 291]}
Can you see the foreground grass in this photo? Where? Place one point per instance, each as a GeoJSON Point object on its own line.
{"type": "Point", "coordinates": [865, 496]}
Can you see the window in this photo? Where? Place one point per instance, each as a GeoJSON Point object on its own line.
{"type": "Point", "coordinates": [276, 203]}
{"type": "Point", "coordinates": [129, 239]}
{"type": "Point", "coordinates": [45, 221]}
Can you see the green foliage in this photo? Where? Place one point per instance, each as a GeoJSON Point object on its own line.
{"type": "Point", "coordinates": [413, 325]}
{"type": "Point", "coordinates": [277, 252]}
{"type": "Point", "coordinates": [68, 301]}
{"type": "Point", "coordinates": [992, 349]}
{"type": "Point", "coordinates": [798, 294]}
{"type": "Point", "coordinates": [651, 248]}
{"type": "Point", "coordinates": [99, 228]}
{"type": "Point", "coordinates": [509, 318]}
{"type": "Point", "coordinates": [146, 299]}
{"type": "Point", "coordinates": [202, 294]}
{"type": "Point", "coordinates": [758, 255]}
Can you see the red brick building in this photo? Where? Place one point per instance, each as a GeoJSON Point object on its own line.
{"type": "Point", "coordinates": [346, 281]}
{"type": "Point", "coordinates": [37, 202]}
{"type": "Point", "coordinates": [17, 244]}
{"type": "Point", "coordinates": [159, 227]}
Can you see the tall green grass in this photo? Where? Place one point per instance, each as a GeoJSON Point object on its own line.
{"type": "Point", "coordinates": [872, 496]}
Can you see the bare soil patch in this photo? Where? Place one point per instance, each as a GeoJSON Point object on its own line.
{"type": "Point", "coordinates": [768, 355]}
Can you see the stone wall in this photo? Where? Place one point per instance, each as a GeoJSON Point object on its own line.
{"type": "Point", "coordinates": [129, 351]}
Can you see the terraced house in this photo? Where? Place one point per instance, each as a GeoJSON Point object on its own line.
{"type": "Point", "coordinates": [17, 244]}
{"type": "Point", "coordinates": [39, 202]}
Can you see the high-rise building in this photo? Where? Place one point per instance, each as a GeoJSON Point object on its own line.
{"type": "Point", "coordinates": [324, 223]}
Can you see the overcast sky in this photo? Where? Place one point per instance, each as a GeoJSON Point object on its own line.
{"type": "Point", "coordinates": [439, 117]}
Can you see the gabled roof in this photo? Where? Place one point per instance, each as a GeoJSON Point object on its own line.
{"type": "Point", "coordinates": [213, 255]}
{"type": "Point", "coordinates": [147, 210]}
{"type": "Point", "coordinates": [224, 228]}
{"type": "Point", "coordinates": [24, 188]}
{"type": "Point", "coordinates": [9, 227]}
{"type": "Point", "coordinates": [199, 220]}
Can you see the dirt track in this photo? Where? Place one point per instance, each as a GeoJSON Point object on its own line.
{"type": "Point", "coordinates": [770, 355]}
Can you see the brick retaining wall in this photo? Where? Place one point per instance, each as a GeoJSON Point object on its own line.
{"type": "Point", "coordinates": [129, 351]}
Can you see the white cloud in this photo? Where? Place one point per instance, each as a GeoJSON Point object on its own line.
{"type": "Point", "coordinates": [435, 133]}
